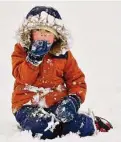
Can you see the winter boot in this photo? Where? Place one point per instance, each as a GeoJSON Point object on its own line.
{"type": "Point", "coordinates": [102, 124]}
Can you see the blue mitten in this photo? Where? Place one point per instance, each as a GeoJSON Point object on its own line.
{"type": "Point", "coordinates": [67, 108]}
{"type": "Point", "coordinates": [38, 49]}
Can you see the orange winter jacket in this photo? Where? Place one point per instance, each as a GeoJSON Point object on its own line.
{"type": "Point", "coordinates": [61, 74]}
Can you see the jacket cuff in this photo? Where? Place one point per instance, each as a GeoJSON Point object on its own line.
{"type": "Point", "coordinates": [33, 62]}
{"type": "Point", "coordinates": [76, 99]}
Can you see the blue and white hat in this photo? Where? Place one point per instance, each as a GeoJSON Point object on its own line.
{"type": "Point", "coordinates": [48, 18]}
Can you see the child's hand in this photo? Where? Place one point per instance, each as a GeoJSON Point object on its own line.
{"type": "Point", "coordinates": [38, 49]}
{"type": "Point", "coordinates": [68, 108]}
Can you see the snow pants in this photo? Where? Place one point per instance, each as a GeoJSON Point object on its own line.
{"type": "Point", "coordinates": [35, 119]}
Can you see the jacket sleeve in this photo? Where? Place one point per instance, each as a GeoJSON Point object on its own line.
{"type": "Point", "coordinates": [23, 71]}
{"type": "Point", "coordinates": [74, 78]}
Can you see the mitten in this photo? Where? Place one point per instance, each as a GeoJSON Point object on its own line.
{"type": "Point", "coordinates": [37, 51]}
{"type": "Point", "coordinates": [67, 108]}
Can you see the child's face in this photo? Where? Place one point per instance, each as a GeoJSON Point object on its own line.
{"type": "Point", "coordinates": [43, 35]}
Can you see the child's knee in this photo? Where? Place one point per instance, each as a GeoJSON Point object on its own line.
{"type": "Point", "coordinates": [32, 119]}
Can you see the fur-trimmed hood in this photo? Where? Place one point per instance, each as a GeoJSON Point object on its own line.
{"type": "Point", "coordinates": [44, 19]}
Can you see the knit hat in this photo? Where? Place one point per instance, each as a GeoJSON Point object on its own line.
{"type": "Point", "coordinates": [47, 18]}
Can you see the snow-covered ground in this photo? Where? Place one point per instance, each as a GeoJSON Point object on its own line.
{"type": "Point", "coordinates": [96, 31]}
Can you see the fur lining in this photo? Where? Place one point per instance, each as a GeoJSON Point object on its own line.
{"type": "Point", "coordinates": [37, 22]}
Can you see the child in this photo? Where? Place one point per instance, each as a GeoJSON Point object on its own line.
{"type": "Point", "coordinates": [49, 86]}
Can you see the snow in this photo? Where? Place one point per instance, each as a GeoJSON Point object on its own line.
{"type": "Point", "coordinates": [96, 31]}
{"type": "Point", "coordinates": [44, 91]}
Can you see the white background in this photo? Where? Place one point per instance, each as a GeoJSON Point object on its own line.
{"type": "Point", "coordinates": [96, 32]}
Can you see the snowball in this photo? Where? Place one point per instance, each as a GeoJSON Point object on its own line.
{"type": "Point", "coordinates": [51, 20]}
{"type": "Point", "coordinates": [44, 15]}
{"type": "Point", "coordinates": [59, 22]}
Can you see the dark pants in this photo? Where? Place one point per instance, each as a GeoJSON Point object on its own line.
{"type": "Point", "coordinates": [34, 119]}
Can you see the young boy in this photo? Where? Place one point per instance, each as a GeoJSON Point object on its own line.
{"type": "Point", "coordinates": [49, 86]}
